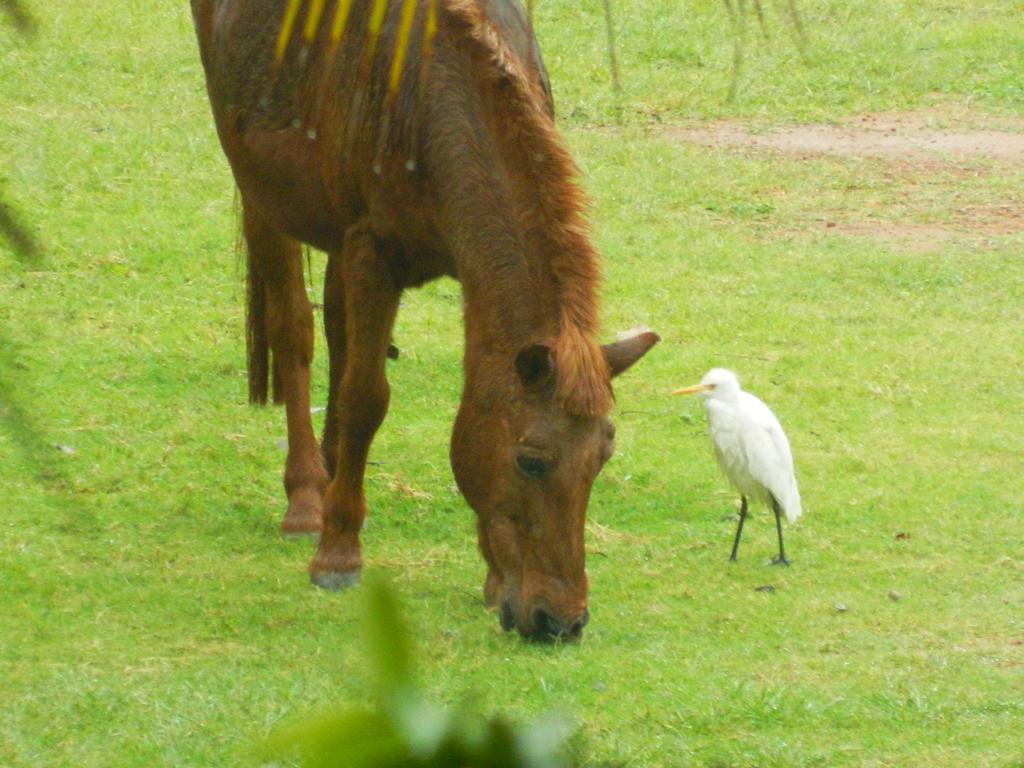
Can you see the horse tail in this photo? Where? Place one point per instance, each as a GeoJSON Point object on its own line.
{"type": "Point", "coordinates": [257, 348]}
{"type": "Point", "coordinates": [264, 376]}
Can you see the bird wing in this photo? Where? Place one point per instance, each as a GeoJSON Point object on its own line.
{"type": "Point", "coordinates": [766, 451]}
{"type": "Point", "coordinates": [730, 453]}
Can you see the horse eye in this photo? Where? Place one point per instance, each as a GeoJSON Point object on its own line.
{"type": "Point", "coordinates": [531, 467]}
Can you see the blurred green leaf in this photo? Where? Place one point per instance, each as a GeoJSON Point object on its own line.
{"type": "Point", "coordinates": [354, 739]}
{"type": "Point", "coordinates": [388, 641]}
{"type": "Point", "coordinates": [18, 15]}
{"type": "Point", "coordinates": [542, 740]}
{"type": "Point", "coordinates": [11, 228]}
{"type": "Point", "coordinates": [423, 726]}
{"type": "Point", "coordinates": [407, 731]}
{"type": "Point", "coordinates": [17, 233]}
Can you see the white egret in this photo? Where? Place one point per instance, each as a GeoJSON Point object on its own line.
{"type": "Point", "coordinates": [751, 448]}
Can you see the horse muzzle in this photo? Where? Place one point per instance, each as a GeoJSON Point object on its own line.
{"type": "Point", "coordinates": [543, 625]}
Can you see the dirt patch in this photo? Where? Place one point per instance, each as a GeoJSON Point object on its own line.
{"type": "Point", "coordinates": [995, 219]}
{"type": "Point", "coordinates": [978, 224]}
{"type": "Point", "coordinates": [918, 238]}
{"type": "Point", "coordinates": [927, 159]}
{"type": "Point", "coordinates": [967, 221]}
{"type": "Point", "coordinates": [914, 136]}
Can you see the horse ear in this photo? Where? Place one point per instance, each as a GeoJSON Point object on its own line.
{"type": "Point", "coordinates": [535, 365]}
{"type": "Point", "coordinates": [621, 354]}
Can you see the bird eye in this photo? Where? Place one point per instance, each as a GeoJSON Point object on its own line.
{"type": "Point", "coordinates": [531, 467]}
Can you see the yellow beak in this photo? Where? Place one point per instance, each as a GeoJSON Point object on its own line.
{"type": "Point", "coordinates": [693, 390]}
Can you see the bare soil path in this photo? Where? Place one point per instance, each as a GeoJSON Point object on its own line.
{"type": "Point", "coordinates": [926, 136]}
{"type": "Point", "coordinates": [936, 164]}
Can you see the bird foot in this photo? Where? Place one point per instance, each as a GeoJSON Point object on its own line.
{"type": "Point", "coordinates": [780, 561]}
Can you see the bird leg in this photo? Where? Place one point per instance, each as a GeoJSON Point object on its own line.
{"type": "Point", "coordinates": [739, 528]}
{"type": "Point", "coordinates": [781, 559]}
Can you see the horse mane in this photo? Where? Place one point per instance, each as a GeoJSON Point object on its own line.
{"type": "Point", "coordinates": [557, 219]}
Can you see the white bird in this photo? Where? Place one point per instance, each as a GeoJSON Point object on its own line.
{"type": "Point", "coordinates": [751, 448]}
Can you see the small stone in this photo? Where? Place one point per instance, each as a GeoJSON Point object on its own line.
{"type": "Point", "coordinates": [67, 450]}
{"type": "Point", "coordinates": [894, 595]}
{"type": "Point", "coordinates": [841, 608]}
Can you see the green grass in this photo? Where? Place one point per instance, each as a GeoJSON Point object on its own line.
{"type": "Point", "coordinates": [677, 58]}
{"type": "Point", "coordinates": [151, 614]}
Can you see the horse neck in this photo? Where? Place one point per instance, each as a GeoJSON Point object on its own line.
{"type": "Point", "coordinates": [509, 294]}
{"type": "Point", "coordinates": [512, 212]}
{"type": "Point", "coordinates": [516, 291]}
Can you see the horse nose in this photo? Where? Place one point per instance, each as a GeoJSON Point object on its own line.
{"type": "Point", "coordinates": [549, 627]}
{"type": "Point", "coordinates": [507, 617]}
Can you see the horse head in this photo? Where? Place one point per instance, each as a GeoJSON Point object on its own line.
{"type": "Point", "coordinates": [526, 464]}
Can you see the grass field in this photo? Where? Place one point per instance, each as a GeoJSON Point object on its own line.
{"type": "Point", "coordinates": [151, 615]}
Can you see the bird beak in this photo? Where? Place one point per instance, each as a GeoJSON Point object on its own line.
{"type": "Point", "coordinates": [694, 389]}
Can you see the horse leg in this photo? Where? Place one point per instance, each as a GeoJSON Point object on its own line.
{"type": "Point", "coordinates": [371, 303]}
{"type": "Point", "coordinates": [334, 329]}
{"type": "Point", "coordinates": [289, 326]}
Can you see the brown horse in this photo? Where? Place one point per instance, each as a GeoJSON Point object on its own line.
{"type": "Point", "coordinates": [459, 171]}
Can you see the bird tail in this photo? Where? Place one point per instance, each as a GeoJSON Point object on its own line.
{"type": "Point", "coordinates": [790, 503]}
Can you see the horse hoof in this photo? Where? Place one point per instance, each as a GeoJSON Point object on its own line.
{"type": "Point", "coordinates": [306, 526]}
{"type": "Point", "coordinates": [303, 519]}
{"type": "Point", "coordinates": [334, 581]}
{"type": "Point", "coordinates": [310, 536]}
